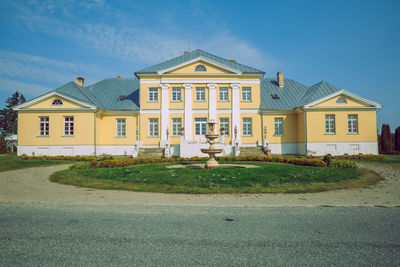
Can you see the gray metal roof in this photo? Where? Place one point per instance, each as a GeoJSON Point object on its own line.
{"type": "Point", "coordinates": [195, 54]}
{"type": "Point", "coordinates": [289, 95]}
{"type": "Point", "coordinates": [108, 92]}
{"type": "Point", "coordinates": [77, 92]}
{"type": "Point", "coordinates": [317, 91]}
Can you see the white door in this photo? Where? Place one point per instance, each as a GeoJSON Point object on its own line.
{"type": "Point", "coordinates": [200, 126]}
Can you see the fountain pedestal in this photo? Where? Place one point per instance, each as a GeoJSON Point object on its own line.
{"type": "Point", "coordinates": [211, 151]}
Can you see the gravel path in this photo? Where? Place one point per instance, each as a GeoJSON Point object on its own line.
{"type": "Point", "coordinates": [31, 186]}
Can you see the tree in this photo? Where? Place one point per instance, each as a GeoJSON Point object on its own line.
{"type": "Point", "coordinates": [3, 145]}
{"type": "Point", "coordinates": [386, 139]}
{"type": "Point", "coordinates": [397, 139]}
{"type": "Point", "coordinates": [9, 117]}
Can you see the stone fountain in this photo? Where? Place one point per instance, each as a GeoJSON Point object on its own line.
{"type": "Point", "coordinates": [211, 151]}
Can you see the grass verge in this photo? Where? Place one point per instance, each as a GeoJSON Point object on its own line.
{"type": "Point", "coordinates": [10, 162]}
{"type": "Point", "coordinates": [269, 178]}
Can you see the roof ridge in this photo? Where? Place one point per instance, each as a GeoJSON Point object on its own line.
{"type": "Point", "coordinates": [87, 94]}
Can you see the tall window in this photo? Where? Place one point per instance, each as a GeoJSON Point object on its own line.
{"type": "Point", "coordinates": [200, 94]}
{"type": "Point", "coordinates": [200, 126]}
{"type": "Point", "coordinates": [121, 127]}
{"type": "Point", "coordinates": [224, 123]}
{"type": "Point", "coordinates": [44, 126]}
{"type": "Point", "coordinates": [223, 94]}
{"type": "Point", "coordinates": [153, 127]}
{"type": "Point", "coordinates": [353, 123]}
{"type": "Point", "coordinates": [176, 127]}
{"type": "Point", "coordinates": [176, 94]}
{"type": "Point", "coordinates": [330, 124]}
{"type": "Point", "coordinates": [278, 127]}
{"type": "Point", "coordinates": [247, 127]}
{"type": "Point", "coordinates": [68, 126]}
{"type": "Point", "coordinates": [246, 94]}
{"type": "Point", "coordinates": [153, 94]}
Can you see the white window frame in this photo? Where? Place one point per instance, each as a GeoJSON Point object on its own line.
{"type": "Point", "coordinates": [153, 94]}
{"type": "Point", "coordinates": [246, 94]}
{"type": "Point", "coordinates": [201, 94]}
{"type": "Point", "coordinates": [176, 126]}
{"type": "Point", "coordinates": [247, 126]}
{"type": "Point", "coordinates": [224, 94]}
{"type": "Point", "coordinates": [202, 123]}
{"type": "Point", "coordinates": [224, 124]}
{"type": "Point", "coordinates": [69, 126]}
{"type": "Point", "coordinates": [121, 127]}
{"type": "Point", "coordinates": [352, 123]}
{"type": "Point", "coordinates": [330, 127]}
{"type": "Point", "coordinates": [153, 127]}
{"type": "Point", "coordinates": [44, 126]}
{"type": "Point", "coordinates": [176, 94]}
{"type": "Point", "coordinates": [278, 125]}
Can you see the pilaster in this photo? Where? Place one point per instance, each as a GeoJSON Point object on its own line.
{"type": "Point", "coordinates": [212, 101]}
{"type": "Point", "coordinates": [235, 112]}
{"type": "Point", "coordinates": [188, 125]}
{"type": "Point", "coordinates": [164, 113]}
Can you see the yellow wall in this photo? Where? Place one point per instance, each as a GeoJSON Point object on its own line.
{"type": "Point", "coordinates": [256, 131]}
{"type": "Point", "coordinates": [255, 96]}
{"type": "Point", "coordinates": [224, 104]}
{"type": "Point", "coordinates": [47, 104]}
{"type": "Point", "coordinates": [144, 129]}
{"type": "Point", "coordinates": [191, 67]}
{"type": "Point", "coordinates": [28, 129]}
{"type": "Point", "coordinates": [107, 130]}
{"type": "Point", "coordinates": [175, 139]}
{"type": "Point", "coordinates": [290, 130]}
{"type": "Point", "coordinates": [228, 138]}
{"type": "Point", "coordinates": [332, 103]}
{"type": "Point", "coordinates": [199, 104]}
{"type": "Point", "coordinates": [144, 96]}
{"type": "Point", "coordinates": [366, 126]}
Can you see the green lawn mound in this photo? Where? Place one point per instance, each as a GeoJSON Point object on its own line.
{"type": "Point", "coordinates": [269, 178]}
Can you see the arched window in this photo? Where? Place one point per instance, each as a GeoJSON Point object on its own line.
{"type": "Point", "coordinates": [57, 102]}
{"type": "Point", "coordinates": [341, 100]}
{"type": "Point", "coordinates": [200, 68]}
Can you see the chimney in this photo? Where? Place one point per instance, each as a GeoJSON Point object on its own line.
{"type": "Point", "coordinates": [80, 81]}
{"type": "Point", "coordinates": [279, 79]}
{"type": "Point", "coordinates": [118, 77]}
{"type": "Point", "coordinates": [233, 60]}
{"type": "Point", "coordinates": [185, 52]}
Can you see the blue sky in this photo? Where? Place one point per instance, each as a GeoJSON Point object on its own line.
{"type": "Point", "coordinates": [352, 44]}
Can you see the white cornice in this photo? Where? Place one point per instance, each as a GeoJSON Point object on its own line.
{"type": "Point", "coordinates": [48, 95]}
{"type": "Point", "coordinates": [218, 81]}
{"type": "Point", "coordinates": [351, 95]}
{"type": "Point", "coordinates": [202, 59]}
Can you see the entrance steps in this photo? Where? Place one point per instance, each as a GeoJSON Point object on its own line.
{"type": "Point", "coordinates": [150, 152]}
{"type": "Point", "coordinates": [251, 151]}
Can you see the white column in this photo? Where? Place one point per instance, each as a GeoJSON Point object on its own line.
{"type": "Point", "coordinates": [188, 112]}
{"type": "Point", "coordinates": [212, 101]}
{"type": "Point", "coordinates": [164, 113]}
{"type": "Point", "coordinates": [235, 111]}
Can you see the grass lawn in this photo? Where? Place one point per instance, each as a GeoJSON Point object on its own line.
{"type": "Point", "coordinates": [10, 162]}
{"type": "Point", "coordinates": [269, 178]}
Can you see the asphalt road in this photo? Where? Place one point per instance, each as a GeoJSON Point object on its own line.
{"type": "Point", "coordinates": [183, 236]}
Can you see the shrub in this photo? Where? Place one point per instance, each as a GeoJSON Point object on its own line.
{"type": "Point", "coordinates": [81, 166]}
{"type": "Point", "coordinates": [359, 156]}
{"type": "Point", "coordinates": [341, 163]}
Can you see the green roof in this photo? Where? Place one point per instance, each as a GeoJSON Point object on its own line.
{"type": "Point", "coordinates": [109, 91]}
{"type": "Point", "coordinates": [77, 92]}
{"type": "Point", "coordinates": [196, 54]}
{"type": "Point", "coordinates": [317, 91]}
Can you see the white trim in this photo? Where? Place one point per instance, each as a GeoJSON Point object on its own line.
{"type": "Point", "coordinates": [35, 110]}
{"type": "Point", "coordinates": [205, 81]}
{"type": "Point", "coordinates": [188, 123]}
{"type": "Point", "coordinates": [119, 112]}
{"type": "Point", "coordinates": [212, 62]}
{"type": "Point", "coordinates": [340, 148]}
{"type": "Point", "coordinates": [200, 111]}
{"type": "Point", "coordinates": [150, 111]}
{"type": "Point", "coordinates": [278, 112]}
{"type": "Point", "coordinates": [48, 95]}
{"type": "Point", "coordinates": [212, 101]}
{"type": "Point", "coordinates": [340, 92]}
{"type": "Point", "coordinates": [340, 108]}
{"type": "Point", "coordinates": [164, 111]}
{"type": "Point", "coordinates": [224, 111]}
{"type": "Point", "coordinates": [235, 112]}
{"type": "Point", "coordinates": [178, 111]}
{"type": "Point", "coordinates": [253, 111]}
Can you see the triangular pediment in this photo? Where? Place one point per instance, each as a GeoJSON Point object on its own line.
{"type": "Point", "coordinates": [343, 99]}
{"type": "Point", "coordinates": [200, 66]}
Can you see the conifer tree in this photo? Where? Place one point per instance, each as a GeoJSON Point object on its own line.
{"type": "Point", "coordinates": [386, 139]}
{"type": "Point", "coordinates": [397, 139]}
{"type": "Point", "coordinates": [9, 117]}
{"type": "Point", "coordinates": [3, 145]}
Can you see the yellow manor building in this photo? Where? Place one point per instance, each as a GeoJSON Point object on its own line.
{"type": "Point", "coordinates": [167, 106]}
